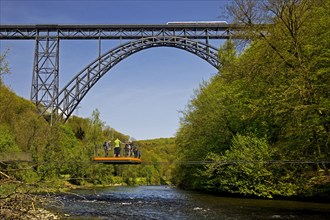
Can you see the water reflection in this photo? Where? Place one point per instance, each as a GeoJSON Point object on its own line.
{"type": "Point", "coordinates": [162, 202]}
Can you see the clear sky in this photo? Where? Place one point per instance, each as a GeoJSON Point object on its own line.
{"type": "Point", "coordinates": [143, 95]}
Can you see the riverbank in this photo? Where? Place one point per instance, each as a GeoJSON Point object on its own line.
{"type": "Point", "coordinates": [322, 196]}
{"type": "Point", "coordinates": [25, 206]}
{"type": "Point", "coordinates": [319, 193]}
{"type": "Point", "coordinates": [25, 201]}
{"type": "Point", "coordinates": [24, 214]}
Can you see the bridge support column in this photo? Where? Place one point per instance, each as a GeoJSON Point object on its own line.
{"type": "Point", "coordinates": [45, 76]}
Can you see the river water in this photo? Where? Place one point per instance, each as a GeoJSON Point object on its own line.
{"type": "Point", "coordinates": [164, 202]}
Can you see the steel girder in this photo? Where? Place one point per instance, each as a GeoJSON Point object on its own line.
{"type": "Point", "coordinates": [192, 31]}
{"type": "Point", "coordinates": [71, 95]}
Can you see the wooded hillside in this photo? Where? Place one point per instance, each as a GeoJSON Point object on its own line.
{"type": "Point", "coordinates": [269, 105]}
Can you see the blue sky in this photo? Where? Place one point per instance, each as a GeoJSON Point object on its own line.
{"type": "Point", "coordinates": [143, 95]}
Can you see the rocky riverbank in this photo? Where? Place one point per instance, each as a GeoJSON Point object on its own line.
{"type": "Point", "coordinates": [23, 214]}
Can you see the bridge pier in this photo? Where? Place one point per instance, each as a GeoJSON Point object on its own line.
{"type": "Point", "coordinates": [45, 74]}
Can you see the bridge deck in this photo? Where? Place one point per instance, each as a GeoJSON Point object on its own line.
{"type": "Point", "coordinates": [113, 31]}
{"type": "Point", "coordinates": [117, 160]}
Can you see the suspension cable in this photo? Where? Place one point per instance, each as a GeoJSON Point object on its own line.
{"type": "Point", "coordinates": [234, 162]}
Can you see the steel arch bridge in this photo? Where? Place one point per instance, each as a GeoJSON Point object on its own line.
{"type": "Point", "coordinates": [45, 92]}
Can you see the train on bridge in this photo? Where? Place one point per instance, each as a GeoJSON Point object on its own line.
{"type": "Point", "coordinates": [195, 22]}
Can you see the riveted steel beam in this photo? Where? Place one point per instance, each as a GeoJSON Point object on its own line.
{"type": "Point", "coordinates": [191, 31]}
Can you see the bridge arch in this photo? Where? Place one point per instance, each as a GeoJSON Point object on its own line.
{"type": "Point", "coordinates": [70, 96]}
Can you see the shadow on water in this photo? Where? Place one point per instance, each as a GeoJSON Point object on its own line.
{"type": "Point", "coordinates": [163, 202]}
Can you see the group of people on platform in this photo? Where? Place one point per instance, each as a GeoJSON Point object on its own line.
{"type": "Point", "coordinates": [130, 150]}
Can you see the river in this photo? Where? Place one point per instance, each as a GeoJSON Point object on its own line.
{"type": "Point", "coordinates": [164, 202]}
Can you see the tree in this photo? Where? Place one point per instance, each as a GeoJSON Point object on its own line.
{"type": "Point", "coordinates": [79, 126]}
{"type": "Point", "coordinates": [4, 65]}
{"type": "Point", "coordinates": [246, 169]}
{"type": "Point", "coordinates": [94, 134]}
{"type": "Point", "coordinates": [297, 60]}
{"type": "Point", "coordinates": [7, 140]}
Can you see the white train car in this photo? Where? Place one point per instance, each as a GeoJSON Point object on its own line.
{"type": "Point", "coordinates": [196, 22]}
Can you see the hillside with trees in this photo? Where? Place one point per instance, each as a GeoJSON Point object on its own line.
{"type": "Point", "coordinates": [265, 118]}
{"type": "Point", "coordinates": [35, 156]}
{"type": "Point", "coordinates": [64, 151]}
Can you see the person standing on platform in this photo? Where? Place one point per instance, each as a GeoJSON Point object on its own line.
{"type": "Point", "coordinates": [117, 148]}
{"type": "Point", "coordinates": [132, 149]}
{"type": "Point", "coordinates": [127, 149]}
{"type": "Point", "coordinates": [107, 147]}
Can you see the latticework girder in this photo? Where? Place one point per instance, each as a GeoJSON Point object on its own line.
{"type": "Point", "coordinates": [136, 31]}
{"type": "Point", "coordinates": [71, 95]}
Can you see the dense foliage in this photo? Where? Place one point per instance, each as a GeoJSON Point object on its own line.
{"type": "Point", "coordinates": [159, 155]}
{"type": "Point", "coordinates": [270, 103]}
{"type": "Point", "coordinates": [62, 153]}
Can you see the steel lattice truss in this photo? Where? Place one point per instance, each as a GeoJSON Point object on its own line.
{"type": "Point", "coordinates": [78, 87]}
{"type": "Point", "coordinates": [45, 81]}
{"type": "Point", "coordinates": [191, 31]}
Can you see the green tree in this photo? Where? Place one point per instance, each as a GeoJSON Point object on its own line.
{"type": "Point", "coordinates": [94, 133]}
{"type": "Point", "coordinates": [79, 126]}
{"type": "Point", "coordinates": [245, 169]}
{"type": "Point", "coordinates": [7, 140]}
{"type": "Point", "coordinates": [4, 65]}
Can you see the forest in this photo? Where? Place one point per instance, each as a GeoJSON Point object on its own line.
{"type": "Point", "coordinates": [263, 122]}
{"type": "Point", "coordinates": [63, 152]}
{"type": "Point", "coordinates": [260, 127]}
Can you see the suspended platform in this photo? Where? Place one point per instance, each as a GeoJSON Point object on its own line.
{"type": "Point", "coordinates": [117, 160]}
